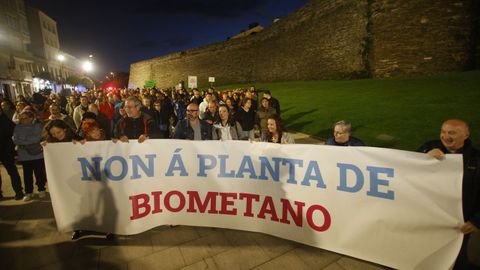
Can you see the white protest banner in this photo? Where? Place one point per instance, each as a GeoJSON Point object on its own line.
{"type": "Point", "coordinates": [211, 79]}
{"type": "Point", "coordinates": [192, 82]}
{"type": "Point", "coordinates": [396, 208]}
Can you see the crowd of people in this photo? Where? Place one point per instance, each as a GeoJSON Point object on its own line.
{"type": "Point", "coordinates": [128, 114]}
{"type": "Point", "coordinates": [141, 114]}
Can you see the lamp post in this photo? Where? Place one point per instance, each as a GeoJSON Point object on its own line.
{"type": "Point", "coordinates": [61, 58]}
{"type": "Point", "coordinates": [87, 66]}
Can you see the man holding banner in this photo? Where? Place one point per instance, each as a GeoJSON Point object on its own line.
{"type": "Point", "coordinates": [454, 139]}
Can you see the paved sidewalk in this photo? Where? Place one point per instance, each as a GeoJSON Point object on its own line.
{"type": "Point", "coordinates": [29, 240]}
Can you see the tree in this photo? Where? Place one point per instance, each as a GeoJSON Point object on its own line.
{"type": "Point", "coordinates": [86, 81]}
{"type": "Point", "coordinates": [73, 80]}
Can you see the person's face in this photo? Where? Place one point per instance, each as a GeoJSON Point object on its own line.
{"type": "Point", "coordinates": [5, 106]}
{"type": "Point", "coordinates": [146, 102]}
{"type": "Point", "coordinates": [341, 136]}
{"type": "Point", "coordinates": [95, 134]}
{"type": "Point", "coordinates": [272, 126]}
{"type": "Point", "coordinates": [71, 99]}
{"type": "Point", "coordinates": [93, 108]}
{"type": "Point", "coordinates": [453, 135]}
{"type": "Point", "coordinates": [131, 110]}
{"type": "Point", "coordinates": [122, 112]}
{"type": "Point", "coordinates": [265, 103]}
{"type": "Point", "coordinates": [223, 112]}
{"type": "Point", "coordinates": [157, 106]}
{"type": "Point", "coordinates": [208, 97]}
{"type": "Point", "coordinates": [54, 109]}
{"type": "Point", "coordinates": [212, 107]}
{"type": "Point", "coordinates": [20, 107]}
{"type": "Point", "coordinates": [248, 104]}
{"type": "Point", "coordinates": [192, 112]}
{"type": "Point", "coordinates": [228, 102]}
{"type": "Point", "coordinates": [58, 133]}
{"type": "Point", "coordinates": [84, 101]}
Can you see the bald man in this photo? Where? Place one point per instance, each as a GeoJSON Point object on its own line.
{"type": "Point", "coordinates": [192, 127]}
{"type": "Point", "coordinates": [454, 139]}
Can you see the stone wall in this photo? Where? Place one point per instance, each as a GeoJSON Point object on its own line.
{"type": "Point", "coordinates": [332, 39]}
{"type": "Point", "coordinates": [420, 37]}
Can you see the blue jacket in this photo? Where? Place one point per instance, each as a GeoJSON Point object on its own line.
{"type": "Point", "coordinates": [27, 137]}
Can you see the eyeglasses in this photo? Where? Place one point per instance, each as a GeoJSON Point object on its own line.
{"type": "Point", "coordinates": [190, 111]}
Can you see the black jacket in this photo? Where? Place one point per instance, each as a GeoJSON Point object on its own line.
{"type": "Point", "coordinates": [134, 127]}
{"type": "Point", "coordinates": [184, 131]}
{"type": "Point", "coordinates": [471, 178]}
{"type": "Point", "coordinates": [7, 148]}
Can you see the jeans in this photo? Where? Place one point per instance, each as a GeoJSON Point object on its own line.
{"type": "Point", "coordinates": [36, 167]}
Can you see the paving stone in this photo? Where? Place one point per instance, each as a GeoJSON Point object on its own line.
{"type": "Point", "coordinates": [82, 259]}
{"type": "Point", "coordinates": [207, 263]}
{"type": "Point", "coordinates": [166, 259]}
{"type": "Point", "coordinates": [354, 264]}
{"type": "Point", "coordinates": [205, 231]}
{"type": "Point", "coordinates": [316, 257]}
{"type": "Point", "coordinates": [126, 250]}
{"type": "Point", "coordinates": [239, 238]}
{"type": "Point", "coordinates": [288, 260]}
{"type": "Point", "coordinates": [273, 246]}
{"type": "Point", "coordinates": [334, 266]}
{"type": "Point", "coordinates": [204, 247]}
{"type": "Point", "coordinates": [172, 237]}
{"type": "Point", "coordinates": [245, 257]}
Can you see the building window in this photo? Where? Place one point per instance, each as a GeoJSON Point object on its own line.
{"type": "Point", "coordinates": [12, 22]}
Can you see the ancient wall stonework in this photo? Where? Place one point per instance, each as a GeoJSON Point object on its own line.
{"type": "Point", "coordinates": [332, 39]}
{"type": "Point", "coordinates": [420, 37]}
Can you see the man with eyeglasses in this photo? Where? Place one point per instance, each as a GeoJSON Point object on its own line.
{"type": "Point", "coordinates": [342, 135]}
{"type": "Point", "coordinates": [136, 125]}
{"type": "Point", "coordinates": [192, 127]}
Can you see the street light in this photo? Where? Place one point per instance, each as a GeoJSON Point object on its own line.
{"type": "Point", "coordinates": [87, 66]}
{"type": "Point", "coordinates": [61, 58]}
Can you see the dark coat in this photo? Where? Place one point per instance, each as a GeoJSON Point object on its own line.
{"type": "Point", "coordinates": [352, 142]}
{"type": "Point", "coordinates": [184, 131]}
{"type": "Point", "coordinates": [134, 127]}
{"type": "Point", "coordinates": [7, 147]}
{"type": "Point", "coordinates": [471, 178]}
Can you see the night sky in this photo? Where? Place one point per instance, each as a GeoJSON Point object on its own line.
{"type": "Point", "coordinates": [118, 33]}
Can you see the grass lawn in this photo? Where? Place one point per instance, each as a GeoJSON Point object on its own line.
{"type": "Point", "coordinates": [399, 113]}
